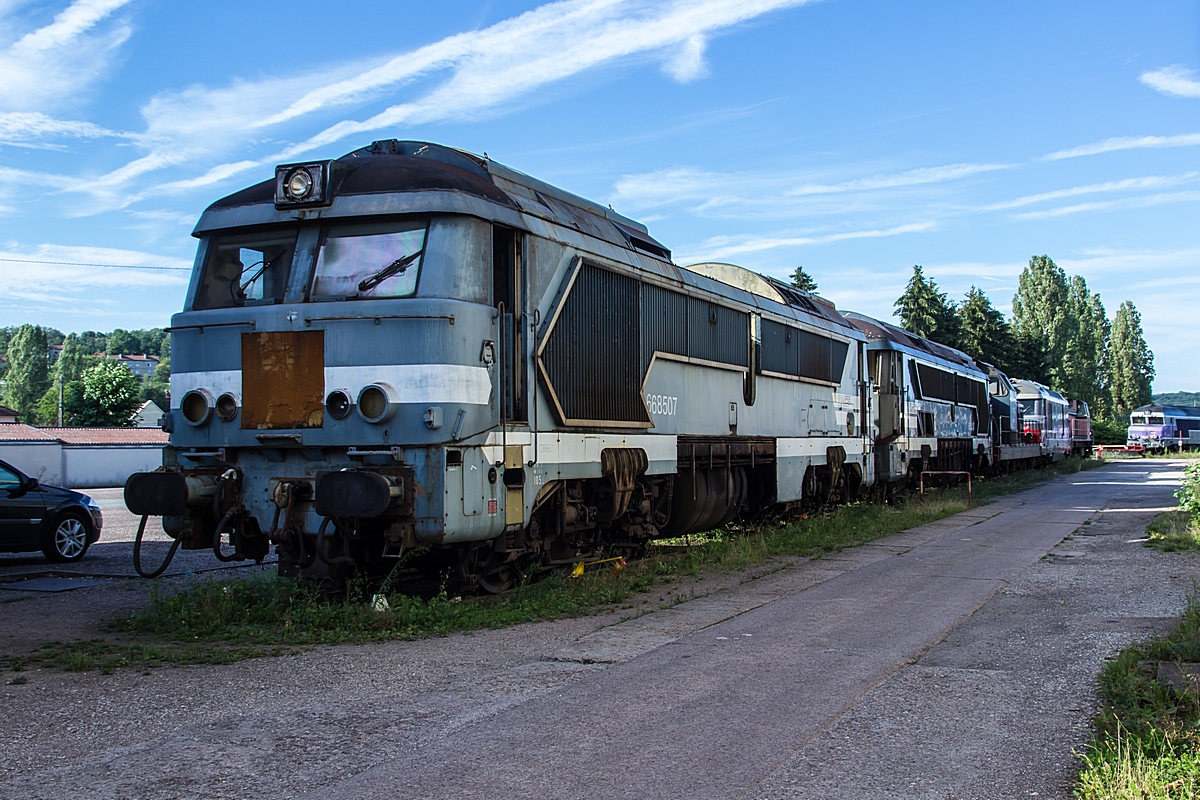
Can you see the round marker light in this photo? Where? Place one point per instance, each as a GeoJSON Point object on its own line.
{"type": "Point", "coordinates": [196, 407]}
{"type": "Point", "coordinates": [227, 406]}
{"type": "Point", "coordinates": [299, 184]}
{"type": "Point", "coordinates": [377, 402]}
{"type": "Point", "coordinates": [338, 404]}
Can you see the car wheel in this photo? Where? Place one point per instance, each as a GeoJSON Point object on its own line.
{"type": "Point", "coordinates": [67, 540]}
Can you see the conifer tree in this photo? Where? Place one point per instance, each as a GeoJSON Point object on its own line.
{"type": "Point", "coordinates": [1130, 363]}
{"type": "Point", "coordinates": [985, 333]}
{"type": "Point", "coordinates": [928, 312]}
{"type": "Point", "coordinates": [803, 281]}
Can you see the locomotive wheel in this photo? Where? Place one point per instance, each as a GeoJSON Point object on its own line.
{"type": "Point", "coordinates": [481, 567]}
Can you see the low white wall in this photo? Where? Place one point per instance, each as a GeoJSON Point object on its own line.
{"type": "Point", "coordinates": [95, 466]}
{"type": "Point", "coordinates": [41, 460]}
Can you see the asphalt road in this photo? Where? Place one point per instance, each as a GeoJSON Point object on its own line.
{"type": "Point", "coordinates": [956, 660]}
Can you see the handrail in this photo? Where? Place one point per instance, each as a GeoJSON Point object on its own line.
{"type": "Point", "coordinates": [203, 325]}
{"type": "Point", "coordinates": [308, 321]}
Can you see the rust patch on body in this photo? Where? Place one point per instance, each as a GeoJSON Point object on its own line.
{"type": "Point", "coordinates": [283, 379]}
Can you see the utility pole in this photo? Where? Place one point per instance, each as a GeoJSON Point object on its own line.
{"type": "Point", "coordinates": [60, 392]}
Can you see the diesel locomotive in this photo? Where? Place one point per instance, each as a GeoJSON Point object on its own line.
{"type": "Point", "coordinates": [412, 346]}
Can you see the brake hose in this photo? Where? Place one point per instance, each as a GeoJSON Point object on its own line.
{"type": "Point", "coordinates": [217, 538]}
{"type": "Point", "coordinates": [137, 552]}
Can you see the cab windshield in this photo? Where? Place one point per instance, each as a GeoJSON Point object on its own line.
{"type": "Point", "coordinates": [368, 261]}
{"type": "Point", "coordinates": [246, 269]}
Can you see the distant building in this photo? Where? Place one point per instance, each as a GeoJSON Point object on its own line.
{"type": "Point", "coordinates": [8, 415]}
{"type": "Point", "coordinates": [148, 416]}
{"type": "Point", "coordinates": [54, 352]}
{"type": "Point", "coordinates": [141, 366]}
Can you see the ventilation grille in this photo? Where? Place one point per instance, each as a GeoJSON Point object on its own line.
{"type": "Point", "coordinates": [791, 351]}
{"type": "Point", "coordinates": [597, 353]}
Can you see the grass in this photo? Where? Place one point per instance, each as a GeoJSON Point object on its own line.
{"type": "Point", "coordinates": [1174, 532]}
{"type": "Point", "coordinates": [221, 620]}
{"type": "Point", "coordinates": [1147, 740]}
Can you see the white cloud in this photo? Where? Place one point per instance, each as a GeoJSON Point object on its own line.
{"type": "Point", "coordinates": [1175, 81]}
{"type": "Point", "coordinates": [465, 75]}
{"type": "Point", "coordinates": [913, 177]}
{"type": "Point", "coordinates": [30, 127]}
{"type": "Point", "coordinates": [1127, 143]}
{"type": "Point", "coordinates": [1148, 182]}
{"type": "Point", "coordinates": [688, 64]}
{"type": "Point", "coordinates": [50, 65]}
{"type": "Point", "coordinates": [1109, 205]}
{"type": "Point", "coordinates": [72, 268]}
{"type": "Point", "coordinates": [722, 247]}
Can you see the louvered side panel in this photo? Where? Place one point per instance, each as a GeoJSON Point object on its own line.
{"type": "Point", "coordinates": [664, 322]}
{"type": "Point", "coordinates": [593, 355]}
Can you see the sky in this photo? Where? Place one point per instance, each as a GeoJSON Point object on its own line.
{"type": "Point", "coordinates": [854, 138]}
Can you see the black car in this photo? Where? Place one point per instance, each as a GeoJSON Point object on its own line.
{"type": "Point", "coordinates": [59, 522]}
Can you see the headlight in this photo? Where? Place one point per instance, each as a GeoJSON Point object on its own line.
{"type": "Point", "coordinates": [299, 184]}
{"type": "Point", "coordinates": [227, 406]}
{"type": "Point", "coordinates": [94, 510]}
{"type": "Point", "coordinates": [197, 407]}
{"type": "Point", "coordinates": [338, 404]}
{"type": "Point", "coordinates": [377, 402]}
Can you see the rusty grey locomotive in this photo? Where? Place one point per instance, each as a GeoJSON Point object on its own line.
{"type": "Point", "coordinates": [412, 346]}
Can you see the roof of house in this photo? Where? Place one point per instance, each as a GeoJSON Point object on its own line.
{"type": "Point", "coordinates": [19, 432]}
{"type": "Point", "coordinates": [5, 411]}
{"type": "Point", "coordinates": [107, 435]}
{"type": "Point", "coordinates": [134, 357]}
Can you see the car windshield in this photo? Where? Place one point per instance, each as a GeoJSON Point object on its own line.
{"type": "Point", "coordinates": [366, 261]}
{"type": "Point", "coordinates": [246, 269]}
{"type": "Point", "coordinates": [8, 478]}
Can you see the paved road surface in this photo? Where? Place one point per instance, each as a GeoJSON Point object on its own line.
{"type": "Point", "coordinates": [955, 660]}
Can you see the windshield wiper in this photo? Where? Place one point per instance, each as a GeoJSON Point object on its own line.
{"type": "Point", "coordinates": [397, 267]}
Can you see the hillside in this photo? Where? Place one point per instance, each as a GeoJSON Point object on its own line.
{"type": "Point", "coordinates": [1178, 399]}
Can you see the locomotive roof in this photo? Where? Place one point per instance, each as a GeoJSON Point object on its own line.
{"type": "Point", "coordinates": [393, 177]}
{"type": "Point", "coordinates": [1025, 388]}
{"type": "Point", "coordinates": [393, 167]}
{"type": "Point", "coordinates": [1173, 411]}
{"type": "Point", "coordinates": [879, 331]}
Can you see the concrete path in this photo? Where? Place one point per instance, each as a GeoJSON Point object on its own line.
{"type": "Point", "coordinates": [956, 660]}
{"type": "Point", "coordinates": [725, 711]}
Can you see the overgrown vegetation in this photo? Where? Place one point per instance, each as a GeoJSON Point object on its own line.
{"type": "Point", "coordinates": [1179, 531]}
{"type": "Point", "coordinates": [221, 620]}
{"type": "Point", "coordinates": [1147, 741]}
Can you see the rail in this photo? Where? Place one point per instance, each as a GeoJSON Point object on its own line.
{"type": "Point", "coordinates": [970, 499]}
{"type": "Point", "coordinates": [308, 321]}
{"type": "Point", "coordinates": [202, 325]}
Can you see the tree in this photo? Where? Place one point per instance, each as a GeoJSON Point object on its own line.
{"type": "Point", "coordinates": [927, 312]}
{"type": "Point", "coordinates": [803, 281]}
{"type": "Point", "coordinates": [985, 334]}
{"type": "Point", "coordinates": [122, 341]}
{"type": "Point", "coordinates": [1083, 365]}
{"type": "Point", "coordinates": [1130, 363]}
{"type": "Point", "coordinates": [28, 372]}
{"type": "Point", "coordinates": [110, 395]}
{"type": "Point", "coordinates": [1041, 316]}
{"type": "Point", "coordinates": [72, 361]}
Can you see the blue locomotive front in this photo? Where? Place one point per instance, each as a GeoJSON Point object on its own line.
{"type": "Point", "coordinates": [411, 346]}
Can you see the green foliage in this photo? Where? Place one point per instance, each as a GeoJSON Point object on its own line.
{"type": "Point", "coordinates": [110, 395]}
{"type": "Point", "coordinates": [1178, 399]}
{"type": "Point", "coordinates": [136, 342]}
{"type": "Point", "coordinates": [1040, 314]}
{"type": "Point", "coordinates": [928, 312]}
{"type": "Point", "coordinates": [1174, 532]}
{"type": "Point", "coordinates": [1147, 741]}
{"type": "Point", "coordinates": [1107, 431]}
{"type": "Point", "coordinates": [1084, 375]}
{"type": "Point", "coordinates": [803, 281]}
{"type": "Point", "coordinates": [985, 334]}
{"type": "Point", "coordinates": [93, 342]}
{"type": "Point", "coordinates": [1130, 362]}
{"type": "Point", "coordinates": [28, 372]}
{"type": "Point", "coordinates": [1189, 492]}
